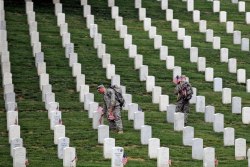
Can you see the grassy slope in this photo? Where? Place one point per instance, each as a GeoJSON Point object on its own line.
{"type": "Point", "coordinates": [34, 124]}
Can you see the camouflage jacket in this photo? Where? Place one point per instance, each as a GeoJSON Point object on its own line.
{"type": "Point", "coordinates": [109, 99]}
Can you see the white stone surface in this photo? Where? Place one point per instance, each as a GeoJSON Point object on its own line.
{"type": "Point", "coordinates": [111, 3]}
{"type": "Point", "coordinates": [209, 35]}
{"type": "Point", "coordinates": [164, 4]}
{"type": "Point", "coordinates": [114, 12]}
{"type": "Point", "coordinates": [200, 104]}
{"type": "Point", "coordinates": [63, 142]}
{"type": "Point", "coordinates": [237, 37]}
{"type": "Point", "coordinates": [209, 74]}
{"type": "Point", "coordinates": [97, 40]}
{"type": "Point", "coordinates": [69, 157]}
{"type": "Point", "coordinates": [93, 30]}
{"type": "Point", "coordinates": [242, 6]}
{"type": "Point", "coordinates": [14, 132]}
{"type": "Point", "coordinates": [174, 25]}
{"type": "Point", "coordinates": [55, 119]}
{"type": "Point", "coordinates": [170, 113]}
{"type": "Point", "coordinates": [123, 31]}
{"type": "Point", "coordinates": [90, 20]}
{"type": "Point", "coordinates": [164, 101]}
{"type": "Point", "coordinates": [241, 76]}
{"type": "Point", "coordinates": [197, 148]}
{"type": "Point", "coordinates": [187, 42]}
{"type": "Point", "coordinates": [216, 6]}
{"type": "Point", "coordinates": [80, 80]}
{"type": "Point", "coordinates": [152, 32]}
{"type": "Point", "coordinates": [196, 16]}
{"type": "Point", "coordinates": [156, 92]}
{"type": "Point", "coordinates": [169, 14]}
{"type": "Point", "coordinates": [150, 83]}
{"type": "Point", "coordinates": [153, 145]}
{"type": "Point", "coordinates": [117, 155]}
{"type": "Point", "coordinates": [118, 23]}
{"type": "Point", "coordinates": [132, 51]}
{"type": "Point", "coordinates": [143, 72]}
{"type": "Point", "coordinates": [230, 27]}
{"type": "Point", "coordinates": [226, 95]}
{"type": "Point", "coordinates": [224, 55]}
{"type": "Point", "coordinates": [216, 43]}
{"type": "Point", "coordinates": [248, 17]}
{"type": "Point", "coordinates": [232, 65]}
{"type": "Point", "coordinates": [17, 142]}
{"type": "Point", "coordinates": [170, 62]}
{"type": "Point", "coordinates": [176, 71]}
{"type": "Point", "coordinates": [209, 114]}
{"type": "Point", "coordinates": [146, 24]}
{"type": "Point", "coordinates": [60, 19]}
{"type": "Point", "coordinates": [201, 64]}
{"type": "Point", "coordinates": [86, 10]}
{"type": "Point", "coordinates": [146, 134]}
{"type": "Point", "coordinates": [108, 144]}
{"type": "Point", "coordinates": [96, 121]}
{"type": "Point", "coordinates": [181, 33]}
{"type": "Point", "coordinates": [178, 121]}
{"type": "Point", "coordinates": [188, 135]}
{"type": "Point", "coordinates": [128, 100]}
{"type": "Point", "coordinates": [142, 14]}
{"type": "Point", "coordinates": [218, 124]}
{"type": "Point", "coordinates": [138, 120]}
{"type": "Point", "coordinates": [106, 59]}
{"type": "Point", "coordinates": [163, 157]}
{"type": "Point", "coordinates": [194, 54]}
{"type": "Point", "coordinates": [203, 26]}
{"type": "Point", "coordinates": [12, 118]}
{"type": "Point", "coordinates": [137, 4]}
{"type": "Point", "coordinates": [19, 157]}
{"type": "Point", "coordinates": [103, 132]}
{"type": "Point", "coordinates": [248, 85]}
{"type": "Point", "coordinates": [246, 115]}
{"type": "Point", "coordinates": [190, 5]}
{"type": "Point", "coordinates": [127, 41]}
{"type": "Point", "coordinates": [83, 90]}
{"type": "Point", "coordinates": [88, 97]}
{"type": "Point", "coordinates": [236, 105]}
{"type": "Point", "coordinates": [245, 44]}
{"type": "Point", "coordinates": [138, 61]}
{"type": "Point", "coordinates": [240, 149]}
{"type": "Point", "coordinates": [229, 136]}
{"type": "Point", "coordinates": [110, 71]}
{"type": "Point", "coordinates": [209, 157]}
{"type": "Point", "coordinates": [59, 131]}
{"type": "Point", "coordinates": [223, 16]}
{"type": "Point", "coordinates": [157, 41]}
{"type": "Point", "coordinates": [132, 108]}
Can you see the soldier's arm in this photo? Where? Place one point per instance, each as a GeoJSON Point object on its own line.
{"type": "Point", "coordinates": [112, 100]}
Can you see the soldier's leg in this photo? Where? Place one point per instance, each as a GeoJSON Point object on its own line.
{"type": "Point", "coordinates": [179, 106]}
{"type": "Point", "coordinates": [186, 110]}
{"type": "Point", "coordinates": [118, 119]}
{"type": "Point", "coordinates": [112, 125]}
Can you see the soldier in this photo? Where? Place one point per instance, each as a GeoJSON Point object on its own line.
{"type": "Point", "coordinates": [184, 92]}
{"type": "Point", "coordinates": [111, 108]}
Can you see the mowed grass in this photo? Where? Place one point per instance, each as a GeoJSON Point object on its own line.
{"type": "Point", "coordinates": [33, 118]}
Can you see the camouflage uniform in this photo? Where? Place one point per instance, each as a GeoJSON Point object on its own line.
{"type": "Point", "coordinates": [182, 104]}
{"type": "Point", "coordinates": [111, 103]}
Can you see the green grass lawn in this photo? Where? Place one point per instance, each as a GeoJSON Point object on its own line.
{"type": "Point", "coordinates": [33, 118]}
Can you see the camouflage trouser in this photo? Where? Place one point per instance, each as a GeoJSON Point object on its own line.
{"type": "Point", "coordinates": [183, 106]}
{"type": "Point", "coordinates": [117, 123]}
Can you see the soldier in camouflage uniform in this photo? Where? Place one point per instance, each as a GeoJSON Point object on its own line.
{"type": "Point", "coordinates": [111, 108]}
{"type": "Point", "coordinates": [182, 104]}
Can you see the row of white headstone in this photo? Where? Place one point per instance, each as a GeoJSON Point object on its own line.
{"type": "Point", "coordinates": [17, 151]}
{"type": "Point", "coordinates": [68, 154]}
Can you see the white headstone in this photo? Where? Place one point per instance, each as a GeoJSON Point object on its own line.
{"type": "Point", "coordinates": [93, 30]}
{"type": "Point", "coordinates": [138, 61]}
{"type": "Point", "coordinates": [143, 72]}
{"type": "Point", "coordinates": [59, 131]}
{"type": "Point", "coordinates": [188, 135]}
{"type": "Point", "coordinates": [103, 132]}
{"type": "Point", "coordinates": [118, 23]}
{"type": "Point", "coordinates": [230, 27]}
{"type": "Point", "coordinates": [83, 90]}
{"type": "Point", "coordinates": [97, 40]}
{"type": "Point", "coordinates": [10, 97]}
{"type": "Point", "coordinates": [218, 124]}
{"type": "Point", "coordinates": [80, 80]}
{"type": "Point", "coordinates": [128, 100]}
{"type": "Point", "coordinates": [163, 52]}
{"type": "Point", "coordinates": [41, 68]}
{"type": "Point", "coordinates": [60, 19]}
{"type": "Point", "coordinates": [226, 95]}
{"type": "Point", "coordinates": [63, 142]}
{"type": "Point", "coordinates": [132, 51]}
{"type": "Point", "coordinates": [164, 102]}
{"type": "Point", "coordinates": [138, 120]}
{"type": "Point", "coordinates": [117, 156]}
{"type": "Point", "coordinates": [169, 14]}
{"type": "Point", "coordinates": [29, 7]}
{"type": "Point", "coordinates": [14, 132]}
{"type": "Point", "coordinates": [178, 121]}
{"type": "Point", "coordinates": [110, 71]}
{"type": "Point", "coordinates": [69, 48]}
{"type": "Point", "coordinates": [216, 43]}
{"type": "Point", "coordinates": [46, 89]}
{"type": "Point", "coordinates": [200, 104]}
{"type": "Point", "coordinates": [163, 157]}
{"type": "Point", "coordinates": [101, 50]}
{"type": "Point", "coordinates": [209, 35]}
{"type": "Point", "coordinates": [157, 41]}
{"type": "Point", "coordinates": [187, 42]}
{"type": "Point", "coordinates": [224, 55]}
{"type": "Point", "coordinates": [242, 6]}
{"type": "Point", "coordinates": [34, 38]}
{"type": "Point", "coordinates": [209, 157]}
{"type": "Point", "coordinates": [55, 119]}
{"type": "Point", "coordinates": [228, 136]}
{"type": "Point", "coordinates": [123, 31]}
{"type": "Point", "coordinates": [39, 58]}
{"type": "Point", "coordinates": [170, 113]}
{"type": "Point", "coordinates": [241, 76]}
{"type": "Point", "coordinates": [6, 67]}
{"type": "Point", "coordinates": [77, 69]}
{"type": "Point", "coordinates": [170, 62]}
{"type": "Point", "coordinates": [114, 12]}
{"type": "Point", "coordinates": [88, 97]}
{"type": "Point", "coordinates": [90, 20]}
{"type": "Point", "coordinates": [32, 26]}
{"type": "Point", "coordinates": [115, 80]}
{"type": "Point", "coordinates": [209, 74]}
{"type": "Point", "coordinates": [96, 121]}
{"type": "Point", "coordinates": [236, 105]}
{"type": "Point", "coordinates": [176, 71]}
{"type": "Point", "coordinates": [209, 114]}
{"type": "Point", "coordinates": [190, 5]}
{"type": "Point", "coordinates": [108, 144]}
{"type": "Point", "coordinates": [17, 142]}
{"type": "Point", "coordinates": [153, 145]}
{"type": "Point", "coordinates": [223, 16]}
{"type": "Point", "coordinates": [196, 16]}
{"type": "Point", "coordinates": [197, 148]}
{"type": "Point", "coordinates": [248, 85]}
{"type": "Point", "coordinates": [111, 3]}
{"type": "Point", "coordinates": [84, 2]}
{"type": "Point", "coordinates": [248, 17]}
{"type": "Point", "coordinates": [164, 4]}
{"type": "Point", "coordinates": [69, 157]}
{"type": "Point", "coordinates": [8, 88]}
{"type": "Point", "coordinates": [156, 92]}
{"type": "Point", "coordinates": [237, 37]}
{"type": "Point", "coordinates": [216, 6]}
{"type": "Point", "coordinates": [174, 25]}
{"type": "Point", "coordinates": [19, 157]}
{"type": "Point", "coordinates": [12, 118]}
{"type": "Point", "coordinates": [132, 108]}
{"type": "Point", "coordinates": [65, 39]}
{"type": "Point", "coordinates": [240, 149]}
{"type": "Point", "coordinates": [93, 106]}
{"type": "Point", "coordinates": [194, 54]}
{"type": "Point", "coordinates": [181, 33]}
{"type": "Point", "coordinates": [137, 4]}
{"type": "Point", "coordinates": [201, 64]}
{"type": "Point", "coordinates": [246, 115]}
{"type": "Point", "coordinates": [106, 59]}
{"type": "Point", "coordinates": [146, 24]}
{"type": "Point", "coordinates": [150, 83]}
{"type": "Point", "coordinates": [86, 10]}
{"type": "Point", "coordinates": [7, 77]}
{"type": "Point", "coordinates": [146, 134]}
{"type": "Point", "coordinates": [5, 57]}
{"type": "Point", "coordinates": [232, 65]}
{"type": "Point", "coordinates": [234, 1]}
{"type": "Point", "coordinates": [49, 97]}
{"type": "Point", "coordinates": [127, 41]}
{"type": "Point", "coordinates": [142, 14]}
{"type": "Point", "coordinates": [11, 106]}
{"type": "Point", "coordinates": [203, 26]}
{"type": "Point", "coordinates": [58, 8]}
{"type": "Point", "coordinates": [245, 44]}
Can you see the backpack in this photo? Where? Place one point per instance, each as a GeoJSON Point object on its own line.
{"type": "Point", "coordinates": [187, 91]}
{"type": "Point", "coordinates": [118, 94]}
